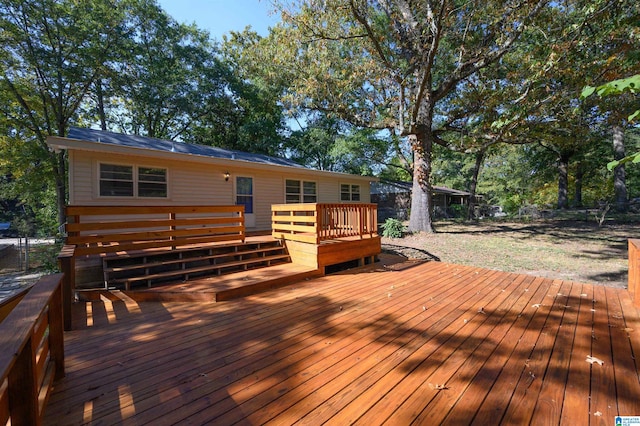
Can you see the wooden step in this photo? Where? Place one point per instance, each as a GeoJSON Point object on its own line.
{"type": "Point", "coordinates": [154, 264]}
{"type": "Point", "coordinates": [227, 287]}
{"type": "Point", "coordinates": [185, 249]}
{"type": "Point", "coordinates": [208, 268]}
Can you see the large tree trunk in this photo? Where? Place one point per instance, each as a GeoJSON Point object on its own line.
{"type": "Point", "coordinates": [421, 192]}
{"type": "Point", "coordinates": [101, 112]}
{"type": "Point", "coordinates": [578, 189]}
{"type": "Point", "coordinates": [563, 181]}
{"type": "Point", "coordinates": [619, 182]}
{"type": "Point", "coordinates": [61, 189]}
{"type": "Point", "coordinates": [474, 181]}
{"type": "Point", "coordinates": [60, 170]}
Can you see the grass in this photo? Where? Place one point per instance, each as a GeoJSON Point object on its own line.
{"type": "Point", "coordinates": [554, 248]}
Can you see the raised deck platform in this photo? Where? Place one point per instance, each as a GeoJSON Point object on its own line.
{"type": "Point", "coordinates": [433, 343]}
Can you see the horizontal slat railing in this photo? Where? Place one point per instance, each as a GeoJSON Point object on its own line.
{"type": "Point", "coordinates": [104, 229]}
{"type": "Point", "coordinates": [32, 355]}
{"type": "Point", "coordinates": [109, 229]}
{"type": "Point", "coordinates": [314, 222]}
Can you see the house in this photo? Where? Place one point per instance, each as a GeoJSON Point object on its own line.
{"type": "Point", "coordinates": [394, 199]}
{"type": "Point", "coordinates": [108, 168]}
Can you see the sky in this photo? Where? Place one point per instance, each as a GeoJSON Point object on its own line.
{"type": "Point", "coordinates": [221, 16]}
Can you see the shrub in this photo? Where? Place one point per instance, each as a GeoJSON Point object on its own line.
{"type": "Point", "coordinates": [393, 228]}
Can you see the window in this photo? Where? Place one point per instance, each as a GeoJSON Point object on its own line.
{"type": "Point", "coordinates": [128, 181]}
{"type": "Point", "coordinates": [349, 192]}
{"type": "Point", "coordinates": [298, 191]}
{"type": "Point", "coordinates": [116, 181]}
{"type": "Point", "coordinates": [152, 182]}
{"type": "Point", "coordinates": [244, 193]}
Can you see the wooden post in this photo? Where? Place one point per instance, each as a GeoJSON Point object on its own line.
{"type": "Point", "coordinates": [23, 388]}
{"type": "Point", "coordinates": [67, 263]}
{"type": "Point", "coordinates": [172, 218]}
{"type": "Point", "coordinates": [318, 222]}
{"type": "Point", "coordinates": [56, 332]}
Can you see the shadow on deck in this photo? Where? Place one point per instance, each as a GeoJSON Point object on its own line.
{"type": "Point", "coordinates": [428, 343]}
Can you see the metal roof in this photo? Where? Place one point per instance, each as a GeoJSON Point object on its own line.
{"type": "Point", "coordinates": [142, 142]}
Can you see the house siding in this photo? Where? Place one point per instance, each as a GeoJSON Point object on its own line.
{"type": "Point", "coordinates": [197, 183]}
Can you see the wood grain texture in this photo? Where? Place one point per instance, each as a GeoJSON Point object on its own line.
{"type": "Point", "coordinates": [433, 343]}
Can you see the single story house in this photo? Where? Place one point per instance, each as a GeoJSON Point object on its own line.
{"type": "Point", "coordinates": [394, 199]}
{"type": "Point", "coordinates": [108, 168]}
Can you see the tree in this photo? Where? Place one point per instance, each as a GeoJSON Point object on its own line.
{"type": "Point", "coordinates": [166, 75]}
{"type": "Point", "coordinates": [54, 52]}
{"type": "Point", "coordinates": [250, 117]}
{"type": "Point", "coordinates": [389, 64]}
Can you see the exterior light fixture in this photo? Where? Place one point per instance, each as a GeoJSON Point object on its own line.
{"type": "Point", "coordinates": [226, 176]}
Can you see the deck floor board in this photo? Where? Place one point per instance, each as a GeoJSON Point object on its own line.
{"type": "Point", "coordinates": [433, 343]}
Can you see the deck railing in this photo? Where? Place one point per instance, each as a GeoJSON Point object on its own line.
{"type": "Point", "coordinates": [101, 229]}
{"type": "Point", "coordinates": [32, 353]}
{"type": "Point", "coordinates": [634, 271]}
{"type": "Point", "coordinates": [314, 222]}
{"type": "Point", "coordinates": [109, 229]}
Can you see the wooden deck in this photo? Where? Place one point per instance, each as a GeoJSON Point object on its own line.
{"type": "Point", "coordinates": [431, 343]}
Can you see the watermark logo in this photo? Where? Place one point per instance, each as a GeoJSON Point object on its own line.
{"type": "Point", "coordinates": [628, 421]}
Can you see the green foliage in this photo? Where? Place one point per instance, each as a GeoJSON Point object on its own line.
{"type": "Point", "coordinates": [393, 228]}
{"type": "Point", "coordinates": [617, 88]}
{"type": "Point", "coordinates": [458, 210]}
{"type": "Point", "coordinates": [45, 257]}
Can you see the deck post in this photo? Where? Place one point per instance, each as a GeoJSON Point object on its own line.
{"type": "Point", "coordinates": [318, 222]}
{"type": "Point", "coordinates": [67, 263]}
{"type": "Point", "coordinates": [23, 388]}
{"type": "Point", "coordinates": [56, 331]}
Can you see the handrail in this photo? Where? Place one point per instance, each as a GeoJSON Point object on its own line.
{"type": "Point", "coordinates": [105, 229]}
{"type": "Point", "coordinates": [32, 355]}
{"type": "Point", "coordinates": [634, 271]}
{"type": "Point", "coordinates": [317, 222]}
{"type": "Point", "coordinates": [7, 305]}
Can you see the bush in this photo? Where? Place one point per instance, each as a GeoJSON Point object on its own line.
{"type": "Point", "coordinates": [393, 228]}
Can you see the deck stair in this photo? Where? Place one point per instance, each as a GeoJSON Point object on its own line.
{"type": "Point", "coordinates": [147, 268]}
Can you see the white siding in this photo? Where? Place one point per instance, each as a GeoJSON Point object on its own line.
{"type": "Point", "coordinates": [197, 183]}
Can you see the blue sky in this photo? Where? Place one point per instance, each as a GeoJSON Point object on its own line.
{"type": "Point", "coordinates": [221, 16]}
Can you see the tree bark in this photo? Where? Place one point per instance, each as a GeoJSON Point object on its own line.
{"type": "Point", "coordinates": [421, 193]}
{"type": "Point", "coordinates": [474, 181]}
{"type": "Point", "coordinates": [578, 189]}
{"type": "Point", "coordinates": [619, 181]}
{"type": "Point", "coordinates": [101, 112]}
{"type": "Point", "coordinates": [563, 181]}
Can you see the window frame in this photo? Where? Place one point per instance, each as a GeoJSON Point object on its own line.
{"type": "Point", "coordinates": [300, 195]}
{"type": "Point", "coordinates": [135, 181]}
{"type": "Point", "coordinates": [351, 192]}
{"type": "Point", "coordinates": [252, 195]}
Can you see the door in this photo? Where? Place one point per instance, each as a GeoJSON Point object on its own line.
{"type": "Point", "coordinates": [244, 196]}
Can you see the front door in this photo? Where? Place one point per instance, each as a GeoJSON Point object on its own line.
{"type": "Point", "coordinates": [244, 196]}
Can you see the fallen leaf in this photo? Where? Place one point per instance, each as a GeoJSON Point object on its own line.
{"type": "Point", "coordinates": [438, 386]}
{"type": "Point", "coordinates": [592, 359]}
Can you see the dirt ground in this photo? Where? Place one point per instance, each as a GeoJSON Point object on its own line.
{"type": "Point", "coordinates": [568, 250]}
